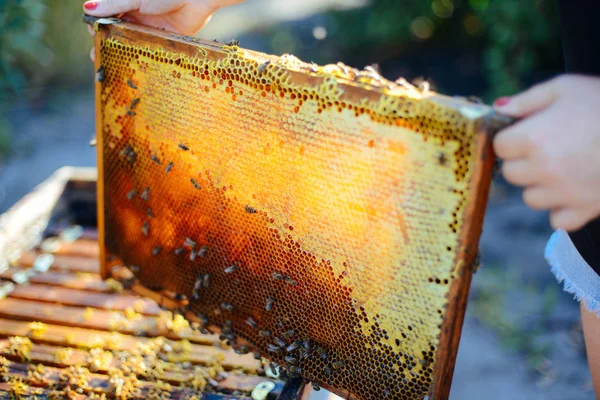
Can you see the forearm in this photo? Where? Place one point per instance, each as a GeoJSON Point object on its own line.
{"type": "Point", "coordinates": [591, 331]}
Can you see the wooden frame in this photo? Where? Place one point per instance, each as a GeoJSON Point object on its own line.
{"type": "Point", "coordinates": [486, 123]}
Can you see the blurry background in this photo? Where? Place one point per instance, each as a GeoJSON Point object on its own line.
{"type": "Point", "coordinates": [522, 338]}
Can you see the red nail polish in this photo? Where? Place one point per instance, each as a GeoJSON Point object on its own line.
{"type": "Point", "coordinates": [502, 101]}
{"type": "Point", "coordinates": [90, 5]}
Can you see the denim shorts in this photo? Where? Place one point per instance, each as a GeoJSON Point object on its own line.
{"type": "Point", "coordinates": [569, 267]}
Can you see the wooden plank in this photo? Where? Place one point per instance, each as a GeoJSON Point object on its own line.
{"type": "Point", "coordinates": [98, 319]}
{"type": "Point", "coordinates": [80, 298]}
{"type": "Point", "coordinates": [97, 383]}
{"type": "Point", "coordinates": [202, 354]}
{"type": "Point", "coordinates": [49, 355]}
{"type": "Point", "coordinates": [81, 280]}
{"type": "Point", "coordinates": [89, 233]}
{"type": "Point", "coordinates": [64, 262]}
{"type": "Point", "coordinates": [81, 247]}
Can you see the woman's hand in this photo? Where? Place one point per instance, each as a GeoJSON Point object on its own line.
{"type": "Point", "coordinates": [182, 16]}
{"type": "Point", "coordinates": [554, 152]}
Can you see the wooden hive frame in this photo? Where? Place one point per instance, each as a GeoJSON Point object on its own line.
{"type": "Point", "coordinates": [356, 87]}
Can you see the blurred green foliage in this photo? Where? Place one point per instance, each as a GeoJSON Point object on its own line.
{"type": "Point", "coordinates": [515, 36]}
{"type": "Point", "coordinates": [39, 50]}
{"type": "Point", "coordinates": [515, 39]}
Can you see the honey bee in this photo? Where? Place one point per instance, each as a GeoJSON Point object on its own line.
{"type": "Point", "coordinates": [279, 342]}
{"type": "Point", "coordinates": [290, 360]}
{"type": "Point", "coordinates": [337, 364]}
{"type": "Point", "coordinates": [257, 356]}
{"type": "Point", "coordinates": [196, 184]}
{"type": "Point", "coordinates": [250, 210]}
{"type": "Point", "coordinates": [206, 280]}
{"type": "Point", "coordinates": [131, 113]}
{"type": "Point", "coordinates": [131, 84]}
{"type": "Point", "coordinates": [322, 352]}
{"type": "Point", "coordinates": [270, 303]}
{"type": "Point", "coordinates": [100, 74]}
{"type": "Point", "coordinates": [276, 276]}
{"type": "Point", "coordinates": [183, 146]}
{"type": "Point", "coordinates": [243, 349]}
{"type": "Point", "coordinates": [156, 250]}
{"type": "Point", "coordinates": [180, 297]}
{"type": "Point", "coordinates": [202, 251]}
{"type": "Point", "coordinates": [131, 194]}
{"type": "Point", "coordinates": [93, 142]}
{"type": "Point", "coordinates": [233, 42]}
{"type": "Point", "coordinates": [327, 371]}
{"type": "Point", "coordinates": [146, 228]}
{"type": "Point", "coordinates": [295, 370]}
{"type": "Point", "coordinates": [292, 347]}
{"type": "Point", "coordinates": [250, 321]}
{"type": "Point", "coordinates": [263, 66]}
{"type": "Point", "coordinates": [145, 194]}
{"type": "Point", "coordinates": [274, 368]}
{"type": "Point", "coordinates": [315, 386]}
{"type": "Point", "coordinates": [134, 268]}
{"type": "Point", "coordinates": [227, 306]}
{"type": "Point", "coordinates": [155, 159]}
{"type": "Point", "coordinates": [264, 333]}
{"type": "Point", "coordinates": [273, 349]}
{"type": "Point", "coordinates": [442, 158]}
{"type": "Point", "coordinates": [289, 334]}
{"type": "Point", "coordinates": [231, 268]}
{"type": "Point", "coordinates": [178, 251]}
{"type": "Point", "coordinates": [290, 281]}
{"type": "Point", "coordinates": [189, 243]}
{"type": "Point", "coordinates": [373, 68]}
{"type": "Point", "coordinates": [150, 213]}
{"type": "Point", "coordinates": [169, 167]}
{"type": "Point", "coordinates": [192, 255]}
{"type": "Point", "coordinates": [134, 103]}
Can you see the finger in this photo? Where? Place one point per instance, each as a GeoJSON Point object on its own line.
{"type": "Point", "coordinates": [529, 102]}
{"type": "Point", "coordinates": [540, 198]}
{"type": "Point", "coordinates": [569, 219]}
{"type": "Point", "coordinates": [91, 30]}
{"type": "Point", "coordinates": [520, 172]}
{"type": "Point", "coordinates": [517, 140]}
{"type": "Point", "coordinates": [93, 55]}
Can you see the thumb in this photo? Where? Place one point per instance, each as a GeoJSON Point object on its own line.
{"type": "Point", "coordinates": [529, 102]}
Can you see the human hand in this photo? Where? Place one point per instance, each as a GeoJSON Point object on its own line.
{"type": "Point", "coordinates": [554, 152]}
{"type": "Point", "coordinates": [182, 16]}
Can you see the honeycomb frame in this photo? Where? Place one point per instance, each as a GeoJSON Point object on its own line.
{"type": "Point", "coordinates": [452, 132]}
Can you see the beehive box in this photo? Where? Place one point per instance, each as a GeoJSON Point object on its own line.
{"type": "Point", "coordinates": [324, 216]}
{"type": "Point", "coordinates": [67, 334]}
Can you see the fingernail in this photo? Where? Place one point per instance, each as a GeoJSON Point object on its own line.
{"type": "Point", "coordinates": [502, 101]}
{"type": "Point", "coordinates": [90, 5]}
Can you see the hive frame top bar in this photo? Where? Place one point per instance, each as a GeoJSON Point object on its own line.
{"type": "Point", "coordinates": [357, 86]}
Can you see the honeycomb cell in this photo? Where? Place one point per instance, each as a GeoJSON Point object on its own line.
{"type": "Point", "coordinates": [324, 216]}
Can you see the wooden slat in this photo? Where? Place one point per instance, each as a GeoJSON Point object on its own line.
{"type": "Point", "coordinates": [97, 383]}
{"type": "Point", "coordinates": [6, 387]}
{"type": "Point", "coordinates": [89, 233]}
{"type": "Point", "coordinates": [73, 297]}
{"type": "Point", "coordinates": [204, 354]}
{"type": "Point", "coordinates": [74, 280]}
{"type": "Point", "coordinates": [100, 320]}
{"type": "Point", "coordinates": [81, 247]}
{"type": "Point", "coordinates": [63, 262]}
